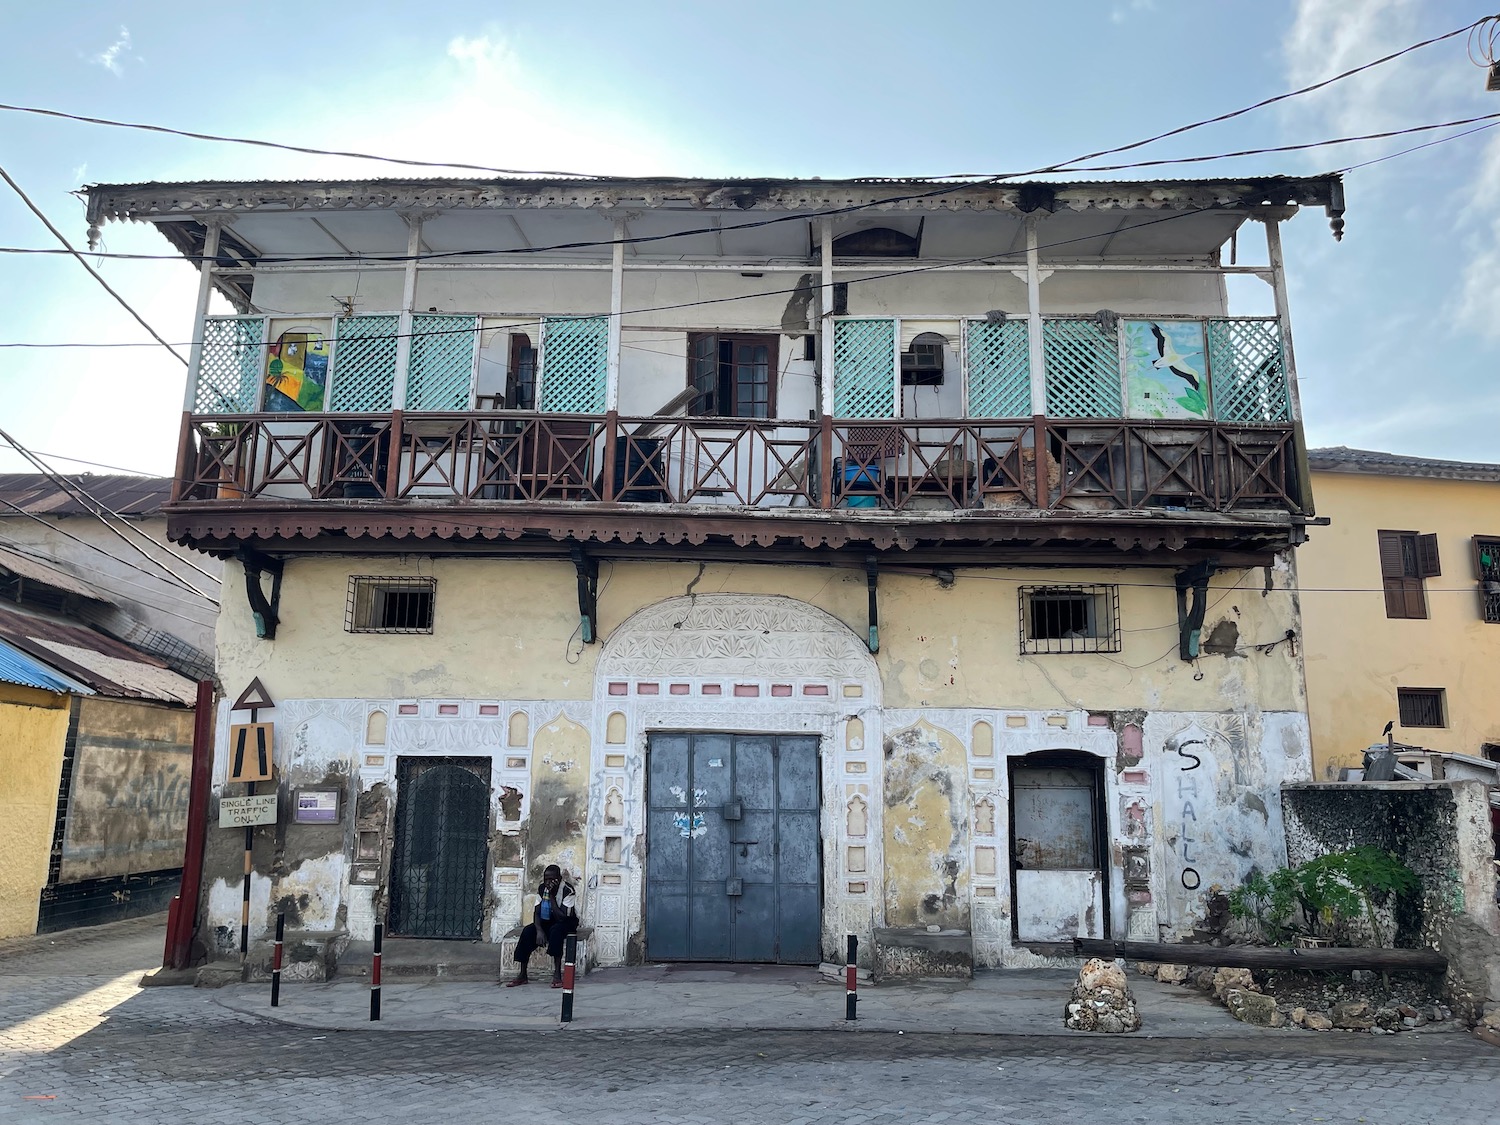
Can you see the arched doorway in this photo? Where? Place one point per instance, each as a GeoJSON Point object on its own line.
{"type": "Point", "coordinates": [441, 856]}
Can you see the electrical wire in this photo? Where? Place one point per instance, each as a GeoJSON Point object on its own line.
{"type": "Point", "coordinates": [113, 580]}
{"type": "Point", "coordinates": [95, 274]}
{"type": "Point", "coordinates": [1416, 148]}
{"type": "Point", "coordinates": [100, 464]}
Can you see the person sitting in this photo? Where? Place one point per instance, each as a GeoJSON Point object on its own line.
{"type": "Point", "coordinates": [555, 917]}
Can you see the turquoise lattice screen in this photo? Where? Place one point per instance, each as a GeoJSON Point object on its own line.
{"type": "Point", "coordinates": [364, 363]}
{"type": "Point", "coordinates": [1083, 369]}
{"type": "Point", "coordinates": [441, 369]}
{"type": "Point", "coordinates": [864, 368]}
{"type": "Point", "coordinates": [575, 363]}
{"type": "Point", "coordinates": [1247, 370]}
{"type": "Point", "coordinates": [997, 357]}
{"type": "Point", "coordinates": [230, 368]}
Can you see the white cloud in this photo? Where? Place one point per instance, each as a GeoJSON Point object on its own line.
{"type": "Point", "coordinates": [110, 57]}
{"type": "Point", "coordinates": [1122, 12]}
{"type": "Point", "coordinates": [1479, 292]}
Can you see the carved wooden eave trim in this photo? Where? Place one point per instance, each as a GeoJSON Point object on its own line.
{"type": "Point", "coordinates": [220, 529]}
{"type": "Point", "coordinates": [156, 201]}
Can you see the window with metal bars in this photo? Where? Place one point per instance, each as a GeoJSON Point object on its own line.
{"type": "Point", "coordinates": [1062, 619]}
{"type": "Point", "coordinates": [1405, 559]}
{"type": "Point", "coordinates": [390, 605]}
{"type": "Point", "coordinates": [1487, 572]}
{"type": "Point", "coordinates": [1420, 707]}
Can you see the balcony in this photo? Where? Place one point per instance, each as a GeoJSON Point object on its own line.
{"type": "Point", "coordinates": [1179, 422]}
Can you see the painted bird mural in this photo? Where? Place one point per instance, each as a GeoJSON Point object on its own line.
{"type": "Point", "coordinates": [1173, 360]}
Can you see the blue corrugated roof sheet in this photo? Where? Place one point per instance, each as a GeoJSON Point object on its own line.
{"type": "Point", "coordinates": [18, 668]}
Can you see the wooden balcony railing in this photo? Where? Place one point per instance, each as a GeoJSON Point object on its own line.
{"type": "Point", "coordinates": [901, 465]}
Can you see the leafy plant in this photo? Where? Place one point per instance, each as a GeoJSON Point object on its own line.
{"type": "Point", "coordinates": [1328, 893]}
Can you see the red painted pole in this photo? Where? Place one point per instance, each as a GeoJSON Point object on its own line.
{"type": "Point", "coordinates": [276, 961]}
{"type": "Point", "coordinates": [375, 974]}
{"type": "Point", "coordinates": [570, 958]}
{"type": "Point", "coordinates": [182, 921]}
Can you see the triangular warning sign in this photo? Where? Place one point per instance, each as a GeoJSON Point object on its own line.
{"type": "Point", "coordinates": [253, 697]}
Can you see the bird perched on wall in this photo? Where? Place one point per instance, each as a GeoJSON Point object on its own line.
{"type": "Point", "coordinates": [1170, 359]}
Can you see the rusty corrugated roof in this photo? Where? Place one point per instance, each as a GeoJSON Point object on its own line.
{"type": "Point", "coordinates": [110, 667]}
{"type": "Point", "coordinates": [40, 495]}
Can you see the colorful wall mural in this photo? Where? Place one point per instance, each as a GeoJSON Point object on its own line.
{"type": "Point", "coordinates": [1166, 374]}
{"type": "Point", "coordinates": [297, 370]}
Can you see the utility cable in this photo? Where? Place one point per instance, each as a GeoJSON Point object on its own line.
{"type": "Point", "coordinates": [113, 580]}
{"type": "Point", "coordinates": [95, 274]}
{"type": "Point", "coordinates": [64, 485]}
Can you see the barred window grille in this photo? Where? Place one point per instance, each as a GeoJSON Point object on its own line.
{"type": "Point", "coordinates": [230, 368]}
{"type": "Point", "coordinates": [1063, 619]}
{"type": "Point", "coordinates": [1083, 369]}
{"type": "Point", "coordinates": [1247, 371]}
{"type": "Point", "coordinates": [364, 364]}
{"type": "Point", "coordinates": [440, 373]}
{"type": "Point", "coordinates": [864, 368]}
{"type": "Point", "coordinates": [390, 605]}
{"type": "Point", "coordinates": [1420, 707]}
{"type": "Point", "coordinates": [997, 357]}
{"type": "Point", "coordinates": [575, 361]}
{"type": "Point", "coordinates": [1487, 570]}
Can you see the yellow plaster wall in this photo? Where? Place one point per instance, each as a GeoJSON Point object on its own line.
{"type": "Point", "coordinates": [33, 728]}
{"type": "Point", "coordinates": [926, 829]}
{"type": "Point", "coordinates": [555, 830]}
{"type": "Point", "coordinates": [1357, 657]}
{"type": "Point", "coordinates": [507, 629]}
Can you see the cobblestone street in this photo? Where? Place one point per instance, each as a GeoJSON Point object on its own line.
{"type": "Point", "coordinates": [79, 1041]}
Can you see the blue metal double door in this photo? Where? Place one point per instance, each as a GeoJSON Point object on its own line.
{"type": "Point", "coordinates": [733, 869]}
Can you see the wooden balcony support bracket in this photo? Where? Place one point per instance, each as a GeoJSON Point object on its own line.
{"type": "Point", "coordinates": [588, 593]}
{"type": "Point", "coordinates": [266, 611]}
{"type": "Point", "coordinates": [872, 582]}
{"type": "Point", "coordinates": [1192, 579]}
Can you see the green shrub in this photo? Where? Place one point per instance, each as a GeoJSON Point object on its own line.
{"type": "Point", "coordinates": [1323, 896]}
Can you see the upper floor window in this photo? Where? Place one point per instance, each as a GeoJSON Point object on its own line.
{"type": "Point", "coordinates": [732, 376]}
{"type": "Point", "coordinates": [1070, 619]}
{"type": "Point", "coordinates": [1487, 571]}
{"type": "Point", "coordinates": [390, 605]}
{"type": "Point", "coordinates": [520, 390]}
{"type": "Point", "coordinates": [1420, 707]}
{"type": "Point", "coordinates": [1405, 559]}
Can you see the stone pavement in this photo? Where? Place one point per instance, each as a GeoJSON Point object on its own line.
{"type": "Point", "coordinates": [79, 1041]}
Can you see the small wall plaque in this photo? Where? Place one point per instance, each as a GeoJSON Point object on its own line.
{"type": "Point", "coordinates": [316, 806]}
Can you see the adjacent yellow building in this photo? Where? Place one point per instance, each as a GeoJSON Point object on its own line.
{"type": "Point", "coordinates": [1401, 605]}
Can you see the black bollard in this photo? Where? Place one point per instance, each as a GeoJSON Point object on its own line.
{"type": "Point", "coordinates": [851, 979]}
{"type": "Point", "coordinates": [570, 957]}
{"type": "Point", "coordinates": [375, 974]}
{"type": "Point", "coordinates": [276, 961]}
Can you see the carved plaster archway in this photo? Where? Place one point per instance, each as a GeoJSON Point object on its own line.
{"type": "Point", "coordinates": [737, 662]}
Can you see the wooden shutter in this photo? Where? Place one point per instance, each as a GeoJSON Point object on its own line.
{"type": "Point", "coordinates": [703, 373]}
{"type": "Point", "coordinates": [1392, 559]}
{"type": "Point", "coordinates": [1427, 557]}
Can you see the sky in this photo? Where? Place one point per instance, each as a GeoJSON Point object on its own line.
{"type": "Point", "coordinates": [1397, 328]}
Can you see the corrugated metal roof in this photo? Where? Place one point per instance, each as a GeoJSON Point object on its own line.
{"type": "Point", "coordinates": [108, 666]}
{"type": "Point", "coordinates": [48, 575]}
{"type": "Point", "coordinates": [1342, 459]}
{"type": "Point", "coordinates": [40, 495]}
{"type": "Point", "coordinates": [18, 668]}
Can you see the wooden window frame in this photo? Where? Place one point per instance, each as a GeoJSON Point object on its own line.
{"type": "Point", "coordinates": [1406, 558]}
{"type": "Point", "coordinates": [773, 362]}
{"type": "Point", "coordinates": [519, 341]}
{"type": "Point", "coordinates": [1437, 697]}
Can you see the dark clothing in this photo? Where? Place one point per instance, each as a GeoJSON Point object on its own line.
{"type": "Point", "coordinates": [562, 920]}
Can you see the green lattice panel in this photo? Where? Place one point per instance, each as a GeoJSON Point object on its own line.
{"type": "Point", "coordinates": [575, 362]}
{"type": "Point", "coordinates": [230, 368]}
{"type": "Point", "coordinates": [1083, 370]}
{"type": "Point", "coordinates": [364, 364]}
{"type": "Point", "coordinates": [1247, 371]}
{"type": "Point", "coordinates": [997, 356]}
{"type": "Point", "coordinates": [864, 368]}
{"type": "Point", "coordinates": [441, 370]}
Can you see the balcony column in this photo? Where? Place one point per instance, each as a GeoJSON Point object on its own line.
{"type": "Point", "coordinates": [408, 300]}
{"type": "Point", "coordinates": [612, 362]}
{"type": "Point", "coordinates": [1034, 321]}
{"type": "Point", "coordinates": [1277, 262]}
{"type": "Point", "coordinates": [200, 315]}
{"type": "Point", "coordinates": [826, 372]}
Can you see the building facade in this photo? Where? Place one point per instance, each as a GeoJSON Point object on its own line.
{"type": "Point", "coordinates": [784, 559]}
{"type": "Point", "coordinates": [1402, 606]}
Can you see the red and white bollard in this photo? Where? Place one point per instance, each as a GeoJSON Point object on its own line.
{"type": "Point", "coordinates": [276, 961]}
{"type": "Point", "coordinates": [851, 979]}
{"type": "Point", "coordinates": [375, 974]}
{"type": "Point", "coordinates": [570, 957]}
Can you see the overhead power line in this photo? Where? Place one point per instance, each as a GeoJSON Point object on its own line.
{"type": "Point", "coordinates": [95, 274]}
